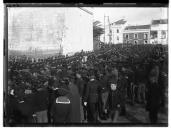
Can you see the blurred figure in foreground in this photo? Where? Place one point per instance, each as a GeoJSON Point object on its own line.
{"type": "Point", "coordinates": [153, 95]}
{"type": "Point", "coordinates": [61, 107]}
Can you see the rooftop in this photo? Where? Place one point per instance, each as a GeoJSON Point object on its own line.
{"type": "Point", "coordinates": [160, 21]}
{"type": "Point", "coordinates": [138, 27]}
{"type": "Point", "coordinates": [122, 21]}
{"type": "Point", "coordinates": [86, 10]}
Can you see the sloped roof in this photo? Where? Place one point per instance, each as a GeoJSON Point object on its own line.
{"type": "Point", "coordinates": [86, 10]}
{"type": "Point", "coordinates": [122, 21]}
{"type": "Point", "coordinates": [161, 21]}
{"type": "Point", "coordinates": [138, 27]}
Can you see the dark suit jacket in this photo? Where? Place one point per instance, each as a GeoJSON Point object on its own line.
{"type": "Point", "coordinates": [92, 92]}
{"type": "Point", "coordinates": [153, 96]}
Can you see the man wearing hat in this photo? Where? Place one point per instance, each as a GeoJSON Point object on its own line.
{"type": "Point", "coordinates": [113, 101]}
{"type": "Point", "coordinates": [61, 106]}
{"type": "Point", "coordinates": [75, 100]}
{"type": "Point", "coordinates": [91, 98]}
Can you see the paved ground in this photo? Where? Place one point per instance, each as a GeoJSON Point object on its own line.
{"type": "Point", "coordinates": [137, 114]}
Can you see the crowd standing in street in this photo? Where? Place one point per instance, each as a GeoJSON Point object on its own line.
{"type": "Point", "coordinates": [71, 90]}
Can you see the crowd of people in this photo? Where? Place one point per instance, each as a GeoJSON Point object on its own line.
{"type": "Point", "coordinates": [86, 87]}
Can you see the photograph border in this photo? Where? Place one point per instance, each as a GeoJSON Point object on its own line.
{"type": "Point", "coordinates": [5, 56]}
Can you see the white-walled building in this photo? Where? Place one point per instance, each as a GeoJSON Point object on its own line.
{"type": "Point", "coordinates": [79, 34]}
{"type": "Point", "coordinates": [159, 31]}
{"type": "Point", "coordinates": [45, 29]}
{"type": "Point", "coordinates": [117, 31]}
{"type": "Point", "coordinates": [114, 32]}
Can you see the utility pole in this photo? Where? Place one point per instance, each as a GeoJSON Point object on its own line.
{"type": "Point", "coordinates": [104, 28]}
{"type": "Point", "coordinates": [110, 31]}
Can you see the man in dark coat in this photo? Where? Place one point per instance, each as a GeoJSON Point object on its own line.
{"type": "Point", "coordinates": [140, 84]}
{"type": "Point", "coordinates": [13, 114]}
{"type": "Point", "coordinates": [114, 98]}
{"type": "Point", "coordinates": [91, 99]}
{"type": "Point", "coordinates": [40, 104]}
{"type": "Point", "coordinates": [75, 100]}
{"type": "Point", "coordinates": [79, 83]}
{"type": "Point", "coordinates": [21, 111]}
{"type": "Point", "coordinates": [61, 107]}
{"type": "Point", "coordinates": [153, 95]}
{"type": "Point", "coordinates": [104, 95]}
{"type": "Point", "coordinates": [123, 83]}
{"type": "Point", "coordinates": [86, 80]}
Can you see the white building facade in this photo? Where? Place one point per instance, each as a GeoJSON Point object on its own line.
{"type": "Point", "coordinates": [114, 32]}
{"type": "Point", "coordinates": [159, 32]}
{"type": "Point", "coordinates": [117, 31]}
{"type": "Point", "coordinates": [44, 29]}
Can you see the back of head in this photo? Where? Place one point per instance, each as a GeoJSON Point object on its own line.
{"type": "Point", "coordinates": [154, 73]}
{"type": "Point", "coordinates": [114, 75]}
{"type": "Point", "coordinates": [115, 72]}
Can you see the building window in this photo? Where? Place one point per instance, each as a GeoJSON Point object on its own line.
{"type": "Point", "coordinates": [163, 34]}
{"type": "Point", "coordinates": [117, 30]}
{"type": "Point", "coordinates": [127, 36]}
{"type": "Point", "coordinates": [135, 41]}
{"type": "Point", "coordinates": [127, 42]}
{"type": "Point", "coordinates": [145, 42]}
{"type": "Point", "coordinates": [117, 37]}
{"type": "Point", "coordinates": [135, 36]}
{"type": "Point", "coordinates": [145, 36]}
{"type": "Point", "coordinates": [153, 34]}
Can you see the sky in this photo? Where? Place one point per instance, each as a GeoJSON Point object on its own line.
{"type": "Point", "coordinates": [133, 15]}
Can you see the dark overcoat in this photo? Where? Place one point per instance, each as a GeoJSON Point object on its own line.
{"type": "Point", "coordinates": [76, 102]}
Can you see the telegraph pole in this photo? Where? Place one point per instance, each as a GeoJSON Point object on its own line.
{"type": "Point", "coordinates": [110, 31]}
{"type": "Point", "coordinates": [104, 28]}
